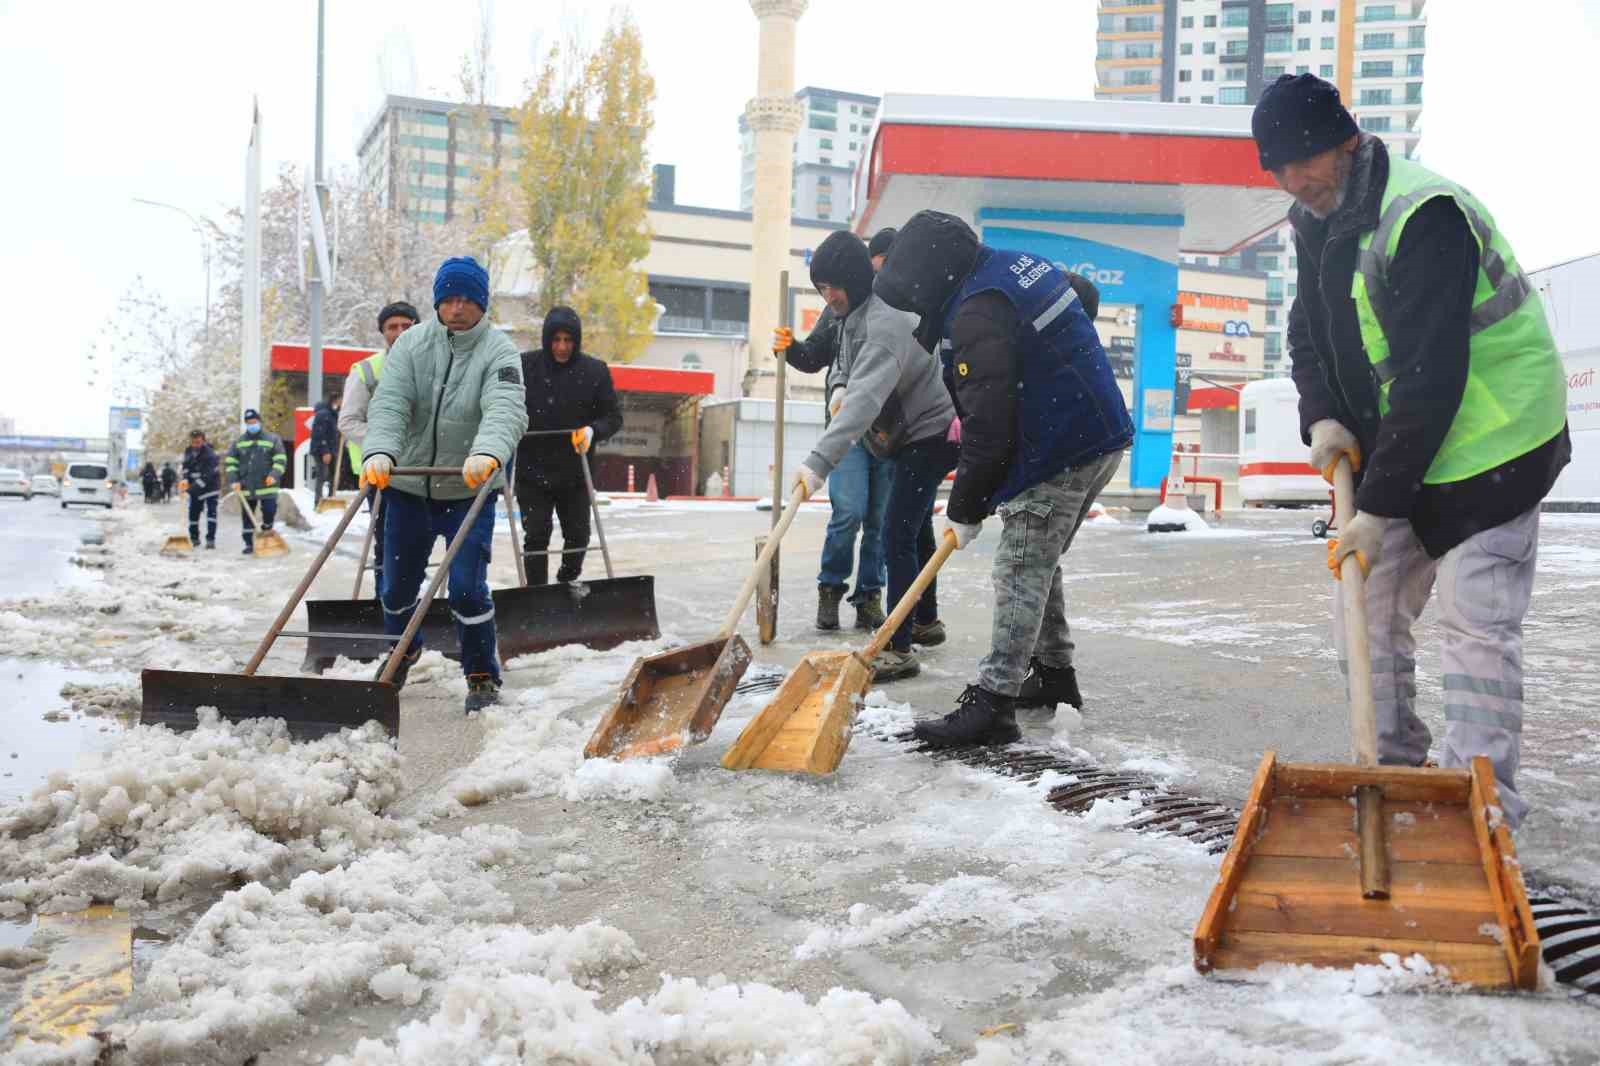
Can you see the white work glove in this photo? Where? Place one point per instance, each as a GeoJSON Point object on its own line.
{"type": "Point", "coordinates": [582, 439]}
{"type": "Point", "coordinates": [810, 479]}
{"type": "Point", "coordinates": [1330, 440]}
{"type": "Point", "coordinates": [1362, 536]}
{"type": "Point", "coordinates": [376, 470]}
{"type": "Point", "coordinates": [836, 402]}
{"type": "Point", "coordinates": [478, 469]}
{"type": "Point", "coordinates": [964, 532]}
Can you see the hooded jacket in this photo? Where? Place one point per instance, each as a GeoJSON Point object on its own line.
{"type": "Point", "coordinates": [324, 431]}
{"type": "Point", "coordinates": [446, 396]}
{"type": "Point", "coordinates": [564, 396]}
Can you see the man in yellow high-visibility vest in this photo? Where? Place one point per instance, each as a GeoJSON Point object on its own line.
{"type": "Point", "coordinates": [393, 320]}
{"type": "Point", "coordinates": [1422, 355]}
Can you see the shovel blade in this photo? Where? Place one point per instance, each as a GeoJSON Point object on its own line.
{"type": "Point", "coordinates": [331, 503]}
{"type": "Point", "coordinates": [311, 706]}
{"type": "Point", "coordinates": [270, 542]}
{"type": "Point", "coordinates": [671, 700]}
{"type": "Point", "coordinates": [805, 727]}
{"type": "Point", "coordinates": [596, 614]}
{"type": "Point", "coordinates": [177, 545]}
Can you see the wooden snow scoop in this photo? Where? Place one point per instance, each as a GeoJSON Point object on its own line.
{"type": "Point", "coordinates": [177, 544]}
{"type": "Point", "coordinates": [333, 501]}
{"type": "Point", "coordinates": [1337, 865]}
{"type": "Point", "coordinates": [266, 541]}
{"type": "Point", "coordinates": [311, 706]}
{"type": "Point", "coordinates": [674, 699]}
{"type": "Point", "coordinates": [806, 726]}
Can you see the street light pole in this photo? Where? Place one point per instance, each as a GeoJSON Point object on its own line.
{"type": "Point", "coordinates": [319, 205]}
{"type": "Point", "coordinates": [205, 250]}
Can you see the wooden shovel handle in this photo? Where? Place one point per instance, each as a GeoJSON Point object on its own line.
{"type": "Point", "coordinates": [897, 617]}
{"type": "Point", "coordinates": [796, 498]}
{"type": "Point", "coordinates": [1358, 654]}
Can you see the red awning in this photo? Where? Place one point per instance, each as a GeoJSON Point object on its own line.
{"type": "Point", "coordinates": [663, 379]}
{"type": "Point", "coordinates": [296, 358]}
{"type": "Point", "coordinates": [1214, 398]}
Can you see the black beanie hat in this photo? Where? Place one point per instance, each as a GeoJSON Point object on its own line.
{"type": "Point", "coordinates": [842, 261]}
{"type": "Point", "coordinates": [401, 308]}
{"type": "Point", "coordinates": [1297, 117]}
{"type": "Point", "coordinates": [881, 242]}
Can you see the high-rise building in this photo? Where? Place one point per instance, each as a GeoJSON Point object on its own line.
{"type": "Point", "coordinates": [1227, 51]}
{"type": "Point", "coordinates": [421, 155]}
{"type": "Point", "coordinates": [832, 137]}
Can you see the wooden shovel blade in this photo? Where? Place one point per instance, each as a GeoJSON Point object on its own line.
{"type": "Point", "coordinates": [806, 725]}
{"type": "Point", "coordinates": [670, 700]}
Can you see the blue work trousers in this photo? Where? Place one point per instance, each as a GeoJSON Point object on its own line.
{"type": "Point", "coordinates": [858, 489]}
{"type": "Point", "coordinates": [411, 524]}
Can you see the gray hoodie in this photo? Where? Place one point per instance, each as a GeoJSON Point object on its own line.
{"type": "Point", "coordinates": [883, 362]}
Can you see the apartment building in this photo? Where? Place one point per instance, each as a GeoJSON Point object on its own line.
{"type": "Point", "coordinates": [422, 155]}
{"type": "Point", "coordinates": [826, 151]}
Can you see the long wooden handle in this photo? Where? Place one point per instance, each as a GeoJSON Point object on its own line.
{"type": "Point", "coordinates": [897, 617]}
{"type": "Point", "coordinates": [338, 464]}
{"type": "Point", "coordinates": [796, 498]}
{"type": "Point", "coordinates": [1358, 654]}
{"type": "Point", "coordinates": [373, 518]}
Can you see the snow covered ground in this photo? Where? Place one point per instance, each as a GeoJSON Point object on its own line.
{"type": "Point", "coordinates": [485, 895]}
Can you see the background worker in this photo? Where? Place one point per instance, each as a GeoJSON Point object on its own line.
{"type": "Point", "coordinates": [169, 481]}
{"type": "Point", "coordinates": [359, 388]}
{"type": "Point", "coordinates": [566, 389]}
{"type": "Point", "coordinates": [324, 442]}
{"type": "Point", "coordinates": [414, 420]}
{"type": "Point", "coordinates": [254, 466]}
{"type": "Point", "coordinates": [1422, 355]}
{"type": "Point", "coordinates": [203, 484]}
{"type": "Point", "coordinates": [1043, 428]}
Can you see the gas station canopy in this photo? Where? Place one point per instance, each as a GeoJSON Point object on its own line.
{"type": "Point", "coordinates": [1184, 165]}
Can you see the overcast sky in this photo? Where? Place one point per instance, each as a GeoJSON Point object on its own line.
{"type": "Point", "coordinates": [108, 101]}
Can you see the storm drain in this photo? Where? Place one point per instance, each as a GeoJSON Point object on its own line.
{"type": "Point", "coordinates": [1569, 932]}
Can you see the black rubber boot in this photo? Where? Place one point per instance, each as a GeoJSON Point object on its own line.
{"type": "Point", "coordinates": [1045, 686]}
{"type": "Point", "coordinates": [869, 613]}
{"type": "Point", "coordinates": [828, 597]}
{"type": "Point", "coordinates": [980, 717]}
{"type": "Point", "coordinates": [482, 691]}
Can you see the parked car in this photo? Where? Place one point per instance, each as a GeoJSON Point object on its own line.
{"type": "Point", "coordinates": [87, 483]}
{"type": "Point", "coordinates": [15, 483]}
{"type": "Point", "coordinates": [45, 485]}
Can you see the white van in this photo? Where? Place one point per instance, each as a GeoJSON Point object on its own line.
{"type": "Point", "coordinates": [87, 482]}
{"type": "Point", "coordinates": [1274, 463]}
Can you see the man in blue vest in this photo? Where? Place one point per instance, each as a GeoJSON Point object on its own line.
{"type": "Point", "coordinates": [1422, 357]}
{"type": "Point", "coordinates": [1043, 428]}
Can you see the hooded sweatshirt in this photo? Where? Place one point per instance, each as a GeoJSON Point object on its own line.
{"type": "Point", "coordinates": [564, 396]}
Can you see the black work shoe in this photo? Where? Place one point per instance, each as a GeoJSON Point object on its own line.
{"type": "Point", "coordinates": [248, 550]}
{"type": "Point", "coordinates": [402, 672]}
{"type": "Point", "coordinates": [482, 691]}
{"type": "Point", "coordinates": [1045, 686]}
{"type": "Point", "coordinates": [828, 597]}
{"type": "Point", "coordinates": [211, 545]}
{"type": "Point", "coordinates": [927, 634]}
{"type": "Point", "coordinates": [980, 717]}
{"type": "Point", "coordinates": [869, 613]}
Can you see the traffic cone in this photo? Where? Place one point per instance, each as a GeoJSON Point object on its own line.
{"type": "Point", "coordinates": [650, 493]}
{"type": "Point", "coordinates": [1174, 514]}
{"type": "Point", "coordinates": [727, 482]}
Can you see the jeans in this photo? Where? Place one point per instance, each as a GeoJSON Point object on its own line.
{"type": "Point", "coordinates": [410, 526]}
{"type": "Point", "coordinates": [919, 468]}
{"type": "Point", "coordinates": [1485, 584]}
{"type": "Point", "coordinates": [570, 504]}
{"type": "Point", "coordinates": [858, 489]}
{"type": "Point", "coordinates": [208, 503]}
{"type": "Point", "coordinates": [266, 507]}
{"type": "Point", "coordinates": [1030, 609]}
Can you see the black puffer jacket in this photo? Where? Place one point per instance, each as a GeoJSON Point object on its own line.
{"type": "Point", "coordinates": [564, 396]}
{"type": "Point", "coordinates": [324, 431]}
{"type": "Point", "coordinates": [200, 471]}
{"type": "Point", "coordinates": [1431, 283]}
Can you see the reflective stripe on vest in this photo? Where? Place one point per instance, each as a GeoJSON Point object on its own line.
{"type": "Point", "coordinates": [1515, 396]}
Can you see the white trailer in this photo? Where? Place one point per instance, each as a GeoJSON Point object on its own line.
{"type": "Point", "coordinates": [1274, 464]}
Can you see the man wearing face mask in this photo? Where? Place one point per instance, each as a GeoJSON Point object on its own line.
{"type": "Point", "coordinates": [1422, 356]}
{"type": "Point", "coordinates": [452, 395]}
{"type": "Point", "coordinates": [254, 467]}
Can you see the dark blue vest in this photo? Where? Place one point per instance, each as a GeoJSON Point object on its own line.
{"type": "Point", "coordinates": [1069, 408]}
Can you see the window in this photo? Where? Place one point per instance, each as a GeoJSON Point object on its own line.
{"type": "Point", "coordinates": [1209, 48]}
{"type": "Point", "coordinates": [1302, 17]}
{"type": "Point", "coordinates": [823, 122]}
{"type": "Point", "coordinates": [1414, 93]}
{"type": "Point", "coordinates": [1272, 349]}
{"type": "Point", "coordinates": [1208, 75]}
{"type": "Point", "coordinates": [1302, 69]}
{"type": "Point", "coordinates": [1140, 24]}
{"type": "Point", "coordinates": [822, 103]}
{"type": "Point", "coordinates": [1275, 290]}
{"type": "Point", "coordinates": [1185, 75]}
{"type": "Point", "coordinates": [1272, 73]}
{"type": "Point", "coordinates": [825, 160]}
{"type": "Point", "coordinates": [1377, 97]}
{"type": "Point", "coordinates": [1291, 262]}
{"type": "Point", "coordinates": [1272, 316]}
{"type": "Point", "coordinates": [1236, 16]}
{"type": "Point", "coordinates": [1137, 77]}
{"type": "Point", "coordinates": [1417, 37]}
{"type": "Point", "coordinates": [1330, 15]}
{"type": "Point", "coordinates": [1325, 70]}
{"type": "Point", "coordinates": [1376, 42]}
{"type": "Point", "coordinates": [1281, 41]}
{"type": "Point", "coordinates": [854, 145]}
{"type": "Point", "coordinates": [824, 181]}
{"type": "Point", "coordinates": [1187, 22]}
{"type": "Point", "coordinates": [854, 128]}
{"type": "Point", "coordinates": [1303, 45]}
{"type": "Point", "coordinates": [825, 142]}
{"type": "Point", "coordinates": [1208, 99]}
{"type": "Point", "coordinates": [1413, 66]}
{"type": "Point", "coordinates": [1183, 99]}
{"type": "Point", "coordinates": [1108, 23]}
{"type": "Point", "coordinates": [1201, 261]}
{"type": "Point", "coordinates": [1266, 262]}
{"type": "Point", "coordinates": [1230, 262]}
{"type": "Point", "coordinates": [685, 306]}
{"type": "Point", "coordinates": [1378, 13]}
{"type": "Point", "coordinates": [1237, 49]}
{"type": "Point", "coordinates": [1327, 44]}
{"type": "Point", "coordinates": [1375, 123]}
{"type": "Point", "coordinates": [730, 311]}
{"type": "Point", "coordinates": [1372, 69]}
{"type": "Point", "coordinates": [1211, 22]}
{"type": "Point", "coordinates": [1292, 287]}
{"type": "Point", "coordinates": [1233, 74]}
{"type": "Point", "coordinates": [1232, 95]}
{"type": "Point", "coordinates": [1186, 49]}
{"type": "Point", "coordinates": [1279, 16]}
{"type": "Point", "coordinates": [1138, 50]}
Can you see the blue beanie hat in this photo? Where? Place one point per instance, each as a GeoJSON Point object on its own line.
{"type": "Point", "coordinates": [461, 276]}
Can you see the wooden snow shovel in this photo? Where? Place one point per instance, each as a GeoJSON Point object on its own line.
{"type": "Point", "coordinates": [267, 541]}
{"type": "Point", "coordinates": [806, 726]}
{"type": "Point", "coordinates": [177, 544]}
{"type": "Point", "coordinates": [333, 501]}
{"type": "Point", "coordinates": [671, 700]}
{"type": "Point", "coordinates": [1337, 865]}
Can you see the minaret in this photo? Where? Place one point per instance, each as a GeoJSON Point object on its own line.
{"type": "Point", "coordinates": [774, 116]}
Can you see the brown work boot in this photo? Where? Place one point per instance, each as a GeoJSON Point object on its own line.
{"type": "Point", "coordinates": [869, 612]}
{"type": "Point", "coordinates": [828, 597]}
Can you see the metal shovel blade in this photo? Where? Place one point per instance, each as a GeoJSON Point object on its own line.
{"type": "Point", "coordinates": [671, 700]}
{"type": "Point", "coordinates": [806, 726]}
{"type": "Point", "coordinates": [313, 707]}
{"type": "Point", "coordinates": [177, 544]}
{"type": "Point", "coordinates": [597, 614]}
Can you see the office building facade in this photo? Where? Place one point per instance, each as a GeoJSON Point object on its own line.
{"type": "Point", "coordinates": [421, 156]}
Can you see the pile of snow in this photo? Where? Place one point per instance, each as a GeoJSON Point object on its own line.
{"type": "Point", "coordinates": [1166, 519]}
{"type": "Point", "coordinates": [98, 700]}
{"type": "Point", "coordinates": [531, 1019]}
{"type": "Point", "coordinates": [166, 815]}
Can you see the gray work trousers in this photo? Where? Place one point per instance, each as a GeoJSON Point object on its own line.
{"type": "Point", "coordinates": [1485, 584]}
{"type": "Point", "coordinates": [1030, 610]}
